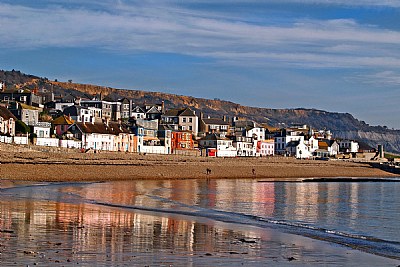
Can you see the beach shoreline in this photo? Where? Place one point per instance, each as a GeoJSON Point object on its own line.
{"type": "Point", "coordinates": [37, 164]}
{"type": "Point", "coordinates": [154, 222]}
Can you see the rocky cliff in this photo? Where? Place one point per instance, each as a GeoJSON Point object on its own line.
{"type": "Point", "coordinates": [343, 125]}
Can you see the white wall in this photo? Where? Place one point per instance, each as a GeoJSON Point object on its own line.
{"type": "Point", "coordinates": [154, 149]}
{"type": "Point", "coordinates": [21, 140]}
{"type": "Point", "coordinates": [97, 141]}
{"type": "Point", "coordinates": [42, 132]}
{"type": "Point", "coordinates": [6, 139]}
{"type": "Point", "coordinates": [47, 142]}
{"type": "Point", "coordinates": [70, 144]}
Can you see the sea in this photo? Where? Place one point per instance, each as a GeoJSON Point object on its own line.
{"type": "Point", "coordinates": [213, 222]}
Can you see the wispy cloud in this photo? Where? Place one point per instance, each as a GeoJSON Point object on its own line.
{"type": "Point", "coordinates": [389, 3]}
{"type": "Point", "coordinates": [386, 77]}
{"type": "Point", "coordinates": [168, 28]}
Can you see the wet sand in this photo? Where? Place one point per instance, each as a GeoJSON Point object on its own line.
{"type": "Point", "coordinates": [45, 225]}
{"type": "Point", "coordinates": [31, 164]}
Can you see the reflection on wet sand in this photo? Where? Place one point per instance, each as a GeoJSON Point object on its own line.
{"type": "Point", "coordinates": [63, 224]}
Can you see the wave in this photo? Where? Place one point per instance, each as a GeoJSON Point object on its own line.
{"type": "Point", "coordinates": [369, 244]}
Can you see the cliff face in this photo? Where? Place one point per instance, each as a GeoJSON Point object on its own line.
{"type": "Point", "coordinates": [343, 125]}
{"type": "Point", "coordinates": [389, 139]}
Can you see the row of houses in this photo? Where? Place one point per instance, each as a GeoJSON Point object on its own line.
{"type": "Point", "coordinates": [106, 125]}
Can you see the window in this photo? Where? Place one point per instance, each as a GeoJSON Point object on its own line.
{"type": "Point", "coordinates": [190, 120]}
{"type": "Point", "coordinates": [190, 128]}
{"type": "Point", "coordinates": [183, 119]}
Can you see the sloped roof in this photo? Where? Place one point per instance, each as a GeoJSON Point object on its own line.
{"type": "Point", "coordinates": [173, 112]}
{"type": "Point", "coordinates": [186, 112]}
{"type": "Point", "coordinates": [138, 109]}
{"type": "Point", "coordinates": [124, 99]}
{"type": "Point", "coordinates": [323, 144]}
{"type": "Point", "coordinates": [108, 98]}
{"type": "Point", "coordinates": [102, 128]}
{"type": "Point", "coordinates": [25, 106]}
{"type": "Point", "coordinates": [215, 121]}
{"type": "Point", "coordinates": [6, 114]}
{"type": "Point", "coordinates": [328, 142]}
{"type": "Point", "coordinates": [153, 110]}
{"type": "Point", "coordinates": [63, 120]}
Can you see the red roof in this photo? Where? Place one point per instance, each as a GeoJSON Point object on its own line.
{"type": "Point", "coordinates": [102, 128]}
{"type": "Point", "coordinates": [6, 114]}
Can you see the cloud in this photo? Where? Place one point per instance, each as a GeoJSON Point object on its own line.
{"type": "Point", "coordinates": [365, 3]}
{"type": "Point", "coordinates": [124, 27]}
{"type": "Point", "coordinates": [382, 78]}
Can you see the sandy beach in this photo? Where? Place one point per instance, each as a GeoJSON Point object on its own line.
{"type": "Point", "coordinates": [164, 220]}
{"type": "Point", "coordinates": [41, 164]}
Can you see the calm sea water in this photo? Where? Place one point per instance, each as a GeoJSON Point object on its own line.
{"type": "Point", "coordinates": [96, 220]}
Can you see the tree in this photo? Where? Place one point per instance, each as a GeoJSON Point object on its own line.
{"type": "Point", "coordinates": [44, 116]}
{"type": "Point", "coordinates": [21, 127]}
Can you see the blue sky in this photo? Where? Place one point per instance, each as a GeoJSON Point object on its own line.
{"type": "Point", "coordinates": [341, 55]}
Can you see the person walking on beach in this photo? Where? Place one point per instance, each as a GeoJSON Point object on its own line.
{"type": "Point", "coordinates": [254, 172]}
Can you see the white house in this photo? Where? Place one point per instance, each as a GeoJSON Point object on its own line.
{"type": "Point", "coordinates": [331, 146]}
{"type": "Point", "coordinates": [265, 148]}
{"type": "Point", "coordinates": [257, 133]}
{"type": "Point", "coordinates": [138, 113]}
{"type": "Point", "coordinates": [312, 144]}
{"type": "Point", "coordinates": [43, 133]}
{"type": "Point", "coordinates": [218, 146]}
{"type": "Point", "coordinates": [298, 149]}
{"type": "Point", "coordinates": [244, 146]}
{"type": "Point", "coordinates": [285, 137]}
{"type": "Point", "coordinates": [348, 146]}
{"type": "Point", "coordinates": [103, 136]}
{"type": "Point", "coordinates": [42, 129]}
{"type": "Point", "coordinates": [83, 114]}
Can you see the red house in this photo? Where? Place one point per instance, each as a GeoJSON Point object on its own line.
{"type": "Point", "coordinates": [181, 140]}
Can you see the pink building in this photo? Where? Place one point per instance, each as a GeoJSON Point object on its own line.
{"type": "Point", "coordinates": [265, 148]}
{"type": "Point", "coordinates": [61, 124]}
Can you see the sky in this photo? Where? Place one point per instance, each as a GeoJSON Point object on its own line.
{"type": "Point", "coordinates": [334, 55]}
